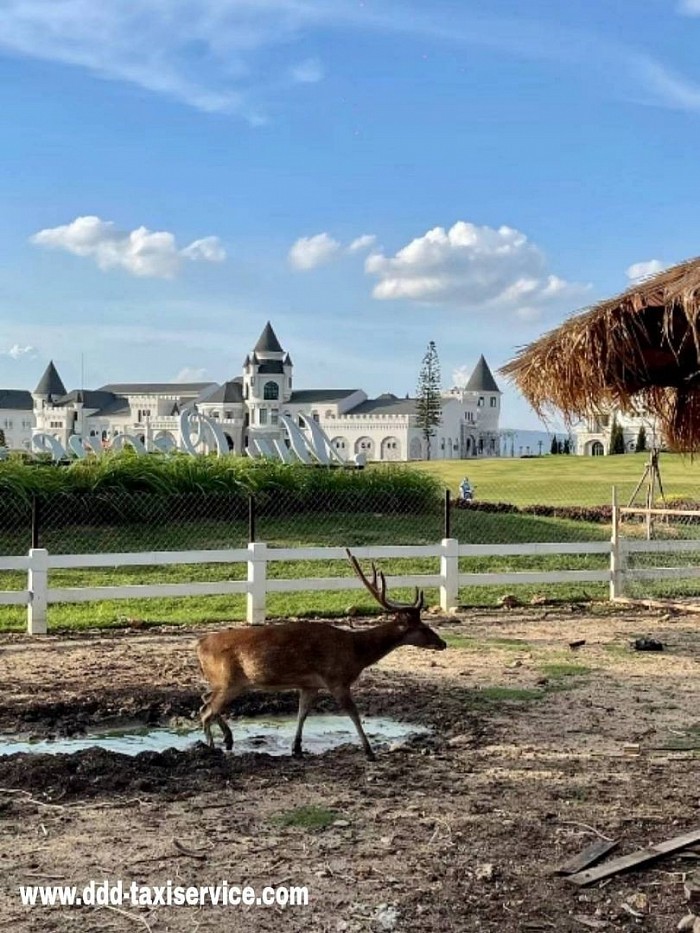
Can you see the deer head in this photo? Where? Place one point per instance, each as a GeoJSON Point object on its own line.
{"type": "Point", "coordinates": [406, 615]}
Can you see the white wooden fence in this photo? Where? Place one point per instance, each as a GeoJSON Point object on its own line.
{"type": "Point", "coordinates": [38, 594]}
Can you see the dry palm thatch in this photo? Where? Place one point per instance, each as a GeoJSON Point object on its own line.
{"type": "Point", "coordinates": [639, 351]}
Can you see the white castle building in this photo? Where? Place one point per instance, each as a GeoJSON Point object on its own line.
{"type": "Point", "coordinates": [593, 437]}
{"type": "Point", "coordinates": [249, 406]}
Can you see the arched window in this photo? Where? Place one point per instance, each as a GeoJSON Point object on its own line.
{"type": "Point", "coordinates": [271, 391]}
{"type": "Point", "coordinates": [389, 449]}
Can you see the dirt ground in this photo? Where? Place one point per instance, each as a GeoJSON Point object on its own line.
{"type": "Point", "coordinates": [528, 761]}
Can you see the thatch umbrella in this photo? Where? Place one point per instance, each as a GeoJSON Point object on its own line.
{"type": "Point", "coordinates": [639, 351]}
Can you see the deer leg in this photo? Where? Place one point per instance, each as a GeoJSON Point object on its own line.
{"type": "Point", "coordinates": [345, 701]}
{"type": "Point", "coordinates": [212, 712]}
{"type": "Point", "coordinates": [306, 699]}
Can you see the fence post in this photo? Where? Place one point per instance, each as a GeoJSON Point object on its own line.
{"type": "Point", "coordinates": [616, 575]}
{"type": "Point", "coordinates": [447, 524]}
{"type": "Point", "coordinates": [36, 522]}
{"type": "Point", "coordinates": [251, 518]}
{"type": "Point", "coordinates": [257, 582]}
{"type": "Point", "coordinates": [449, 571]}
{"type": "Point", "coordinates": [37, 584]}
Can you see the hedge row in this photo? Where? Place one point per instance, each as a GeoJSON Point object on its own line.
{"type": "Point", "coordinates": [598, 514]}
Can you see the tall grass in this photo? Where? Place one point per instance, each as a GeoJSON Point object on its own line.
{"type": "Point", "coordinates": [294, 485]}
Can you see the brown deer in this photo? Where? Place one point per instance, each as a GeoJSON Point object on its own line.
{"type": "Point", "coordinates": [307, 657]}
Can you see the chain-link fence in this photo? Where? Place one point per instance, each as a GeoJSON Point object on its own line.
{"type": "Point", "coordinates": [660, 552]}
{"type": "Point", "coordinates": [15, 526]}
{"type": "Point", "coordinates": [120, 521]}
{"type": "Point", "coordinates": [133, 521]}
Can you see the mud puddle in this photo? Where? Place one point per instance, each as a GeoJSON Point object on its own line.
{"type": "Point", "coordinates": [271, 735]}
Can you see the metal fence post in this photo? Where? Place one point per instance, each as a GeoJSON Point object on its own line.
{"type": "Point", "coordinates": [36, 522]}
{"type": "Point", "coordinates": [447, 525]}
{"type": "Point", "coordinates": [616, 569]}
{"type": "Point", "coordinates": [251, 518]}
{"type": "Point", "coordinates": [449, 571]}
{"type": "Point", "coordinates": [257, 582]}
{"type": "Point", "coordinates": [37, 584]}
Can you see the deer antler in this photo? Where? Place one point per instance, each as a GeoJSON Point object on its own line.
{"type": "Point", "coordinates": [379, 592]}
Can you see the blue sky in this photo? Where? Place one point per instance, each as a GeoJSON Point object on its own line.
{"type": "Point", "coordinates": [367, 175]}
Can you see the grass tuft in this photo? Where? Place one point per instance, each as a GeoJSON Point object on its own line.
{"type": "Point", "coordinates": [308, 817]}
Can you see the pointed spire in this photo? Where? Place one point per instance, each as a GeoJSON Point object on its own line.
{"type": "Point", "coordinates": [268, 342]}
{"type": "Point", "coordinates": [481, 380]}
{"type": "Point", "coordinates": [246, 361]}
{"type": "Point", "coordinates": [288, 361]}
{"type": "Point", "coordinates": [50, 383]}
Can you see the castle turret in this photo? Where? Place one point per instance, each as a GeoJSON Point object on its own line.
{"type": "Point", "coordinates": [267, 381]}
{"type": "Point", "coordinates": [50, 385]}
{"type": "Point", "coordinates": [47, 418]}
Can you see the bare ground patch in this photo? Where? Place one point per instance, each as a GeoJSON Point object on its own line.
{"type": "Point", "coordinates": [532, 753]}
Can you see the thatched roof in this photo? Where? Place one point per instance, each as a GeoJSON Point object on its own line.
{"type": "Point", "coordinates": [638, 350]}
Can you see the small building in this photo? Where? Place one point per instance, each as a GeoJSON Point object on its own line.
{"type": "Point", "coordinates": [594, 435]}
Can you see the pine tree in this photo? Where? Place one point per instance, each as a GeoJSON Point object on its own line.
{"type": "Point", "coordinates": [567, 446]}
{"type": "Point", "coordinates": [617, 438]}
{"type": "Point", "coordinates": [429, 401]}
{"type": "Point", "coordinates": [641, 444]}
{"type": "Point", "coordinates": [554, 449]}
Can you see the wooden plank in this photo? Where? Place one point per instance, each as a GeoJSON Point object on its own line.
{"type": "Point", "coordinates": [634, 858]}
{"type": "Point", "coordinates": [139, 591]}
{"type": "Point", "coordinates": [664, 573]}
{"type": "Point", "coordinates": [524, 550]}
{"type": "Point", "coordinates": [686, 513]}
{"type": "Point", "coordinates": [14, 563]}
{"type": "Point", "coordinates": [374, 552]}
{"type": "Point", "coordinates": [148, 558]}
{"type": "Point", "coordinates": [345, 583]}
{"type": "Point", "coordinates": [633, 546]}
{"type": "Point", "coordinates": [586, 857]}
{"type": "Point", "coordinates": [14, 597]}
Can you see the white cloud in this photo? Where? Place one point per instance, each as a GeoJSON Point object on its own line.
{"type": "Point", "coordinates": [689, 7]}
{"type": "Point", "coordinates": [208, 249]}
{"type": "Point", "coordinates": [366, 241]}
{"type": "Point", "coordinates": [312, 251]}
{"type": "Point", "coordinates": [470, 267]}
{"type": "Point", "coordinates": [141, 252]}
{"type": "Point", "coordinates": [16, 351]}
{"type": "Point", "coordinates": [191, 374]}
{"type": "Point", "coordinates": [309, 71]}
{"type": "Point", "coordinates": [640, 270]}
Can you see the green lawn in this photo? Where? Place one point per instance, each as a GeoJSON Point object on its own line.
{"type": "Point", "coordinates": [564, 480]}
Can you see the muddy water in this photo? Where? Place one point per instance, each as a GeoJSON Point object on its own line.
{"type": "Point", "coordinates": [271, 735]}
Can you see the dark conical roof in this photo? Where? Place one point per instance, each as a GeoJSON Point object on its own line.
{"type": "Point", "coordinates": [50, 383]}
{"type": "Point", "coordinates": [268, 342]}
{"type": "Point", "coordinates": [481, 380]}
